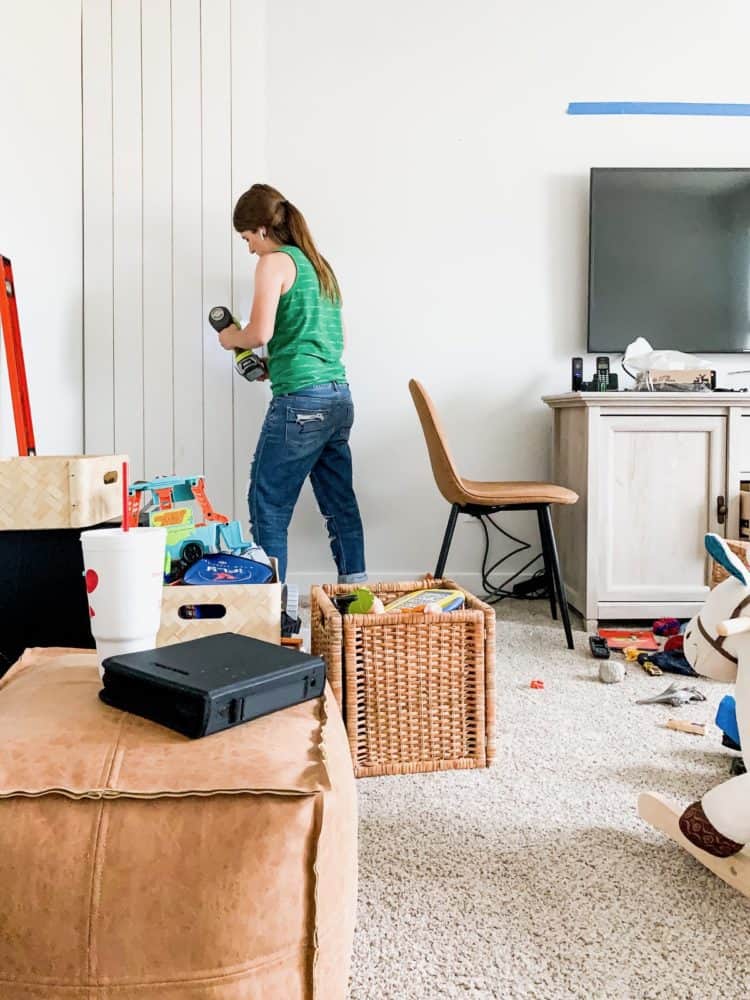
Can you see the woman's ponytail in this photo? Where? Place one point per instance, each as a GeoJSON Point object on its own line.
{"type": "Point", "coordinates": [263, 205]}
{"type": "Point", "coordinates": [302, 238]}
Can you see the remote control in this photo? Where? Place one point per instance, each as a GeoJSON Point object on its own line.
{"type": "Point", "coordinates": [599, 647]}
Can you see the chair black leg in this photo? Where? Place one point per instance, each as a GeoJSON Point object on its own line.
{"type": "Point", "coordinates": [547, 568]}
{"type": "Point", "coordinates": [447, 539]}
{"type": "Point", "coordinates": [551, 545]}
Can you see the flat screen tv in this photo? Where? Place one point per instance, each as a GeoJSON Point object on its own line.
{"type": "Point", "coordinates": [669, 259]}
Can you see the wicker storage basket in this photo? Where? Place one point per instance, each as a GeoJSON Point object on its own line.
{"type": "Point", "coordinates": [417, 691]}
{"type": "Point", "coordinates": [741, 549]}
{"type": "Point", "coordinates": [59, 491]}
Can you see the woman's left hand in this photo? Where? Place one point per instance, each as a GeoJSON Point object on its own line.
{"type": "Point", "coordinates": [226, 337]}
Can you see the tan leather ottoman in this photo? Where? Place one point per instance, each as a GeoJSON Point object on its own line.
{"type": "Point", "coordinates": [135, 863]}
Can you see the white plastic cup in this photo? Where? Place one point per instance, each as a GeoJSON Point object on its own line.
{"type": "Point", "coordinates": [124, 572]}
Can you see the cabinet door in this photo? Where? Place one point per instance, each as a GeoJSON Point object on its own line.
{"type": "Point", "coordinates": [657, 487]}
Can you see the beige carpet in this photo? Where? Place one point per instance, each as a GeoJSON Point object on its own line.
{"type": "Point", "coordinates": [536, 878]}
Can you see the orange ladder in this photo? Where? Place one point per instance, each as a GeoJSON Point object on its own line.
{"type": "Point", "coordinates": [19, 390]}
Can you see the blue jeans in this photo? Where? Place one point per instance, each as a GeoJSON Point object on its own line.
{"type": "Point", "coordinates": [306, 433]}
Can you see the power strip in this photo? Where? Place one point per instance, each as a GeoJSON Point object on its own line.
{"type": "Point", "coordinates": [525, 587]}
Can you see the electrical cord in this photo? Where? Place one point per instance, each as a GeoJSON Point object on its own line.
{"type": "Point", "coordinates": [495, 593]}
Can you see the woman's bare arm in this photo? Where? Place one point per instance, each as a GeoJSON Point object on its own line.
{"type": "Point", "coordinates": [270, 274]}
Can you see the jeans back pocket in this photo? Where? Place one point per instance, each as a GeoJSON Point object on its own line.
{"type": "Point", "coordinates": [304, 424]}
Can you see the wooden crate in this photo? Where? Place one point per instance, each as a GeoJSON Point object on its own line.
{"type": "Point", "coordinates": [417, 691]}
{"type": "Point", "coordinates": [252, 609]}
{"type": "Point", "coordinates": [59, 491]}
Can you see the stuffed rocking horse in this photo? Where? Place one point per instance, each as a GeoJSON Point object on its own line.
{"type": "Point", "coordinates": [716, 830]}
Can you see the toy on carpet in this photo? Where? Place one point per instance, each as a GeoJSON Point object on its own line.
{"type": "Point", "coordinates": [645, 660]}
{"type": "Point", "coordinates": [726, 720]}
{"type": "Point", "coordinates": [620, 638]}
{"type": "Point", "coordinates": [667, 662]}
{"type": "Point", "coordinates": [537, 685]}
{"type": "Point", "coordinates": [716, 829]}
{"type": "Point", "coordinates": [684, 726]}
{"type": "Point", "coordinates": [674, 695]}
{"type": "Point", "coordinates": [612, 672]}
{"type": "Point", "coordinates": [666, 626]}
{"type": "Point", "coordinates": [599, 647]}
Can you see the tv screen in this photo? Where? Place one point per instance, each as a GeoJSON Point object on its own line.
{"type": "Point", "coordinates": [669, 259]}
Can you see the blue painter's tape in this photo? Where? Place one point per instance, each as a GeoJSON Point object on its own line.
{"type": "Point", "coordinates": [656, 108]}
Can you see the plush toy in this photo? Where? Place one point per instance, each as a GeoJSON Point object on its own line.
{"type": "Point", "coordinates": [716, 829]}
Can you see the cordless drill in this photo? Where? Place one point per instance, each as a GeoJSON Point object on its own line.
{"type": "Point", "coordinates": [249, 365]}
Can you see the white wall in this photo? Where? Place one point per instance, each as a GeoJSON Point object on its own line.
{"type": "Point", "coordinates": [173, 132]}
{"type": "Point", "coordinates": [40, 212]}
{"type": "Point", "coordinates": [428, 144]}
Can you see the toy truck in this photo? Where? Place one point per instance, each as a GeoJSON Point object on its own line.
{"type": "Point", "coordinates": [187, 542]}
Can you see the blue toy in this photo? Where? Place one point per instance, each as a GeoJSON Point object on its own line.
{"type": "Point", "coordinates": [726, 720]}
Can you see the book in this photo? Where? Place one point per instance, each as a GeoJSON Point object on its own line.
{"type": "Point", "coordinates": [619, 638]}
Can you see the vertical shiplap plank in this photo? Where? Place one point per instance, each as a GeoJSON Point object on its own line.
{"type": "Point", "coordinates": [158, 397]}
{"type": "Point", "coordinates": [98, 336]}
{"type": "Point", "coordinates": [248, 165]}
{"type": "Point", "coordinates": [127, 230]}
{"type": "Point", "coordinates": [217, 248]}
{"type": "Point", "coordinates": [187, 279]}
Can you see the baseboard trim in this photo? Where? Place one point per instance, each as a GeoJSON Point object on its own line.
{"type": "Point", "coordinates": [469, 581]}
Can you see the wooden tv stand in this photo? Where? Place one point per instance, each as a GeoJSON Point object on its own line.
{"type": "Point", "coordinates": [650, 470]}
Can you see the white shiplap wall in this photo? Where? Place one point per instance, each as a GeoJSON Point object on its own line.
{"type": "Point", "coordinates": [173, 132]}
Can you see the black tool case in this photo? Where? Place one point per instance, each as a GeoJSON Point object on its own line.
{"type": "Point", "coordinates": [207, 685]}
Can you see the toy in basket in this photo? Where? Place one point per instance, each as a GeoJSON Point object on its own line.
{"type": "Point", "coordinates": [430, 601]}
{"type": "Point", "coordinates": [424, 601]}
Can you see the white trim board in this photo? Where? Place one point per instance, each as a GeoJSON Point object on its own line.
{"type": "Point", "coordinates": [173, 132]}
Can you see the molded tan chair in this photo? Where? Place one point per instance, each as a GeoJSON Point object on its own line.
{"type": "Point", "coordinates": [479, 499]}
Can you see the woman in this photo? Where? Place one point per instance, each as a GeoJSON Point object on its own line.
{"type": "Point", "coordinates": [297, 313]}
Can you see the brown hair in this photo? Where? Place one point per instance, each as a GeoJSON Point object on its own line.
{"type": "Point", "coordinates": [264, 206]}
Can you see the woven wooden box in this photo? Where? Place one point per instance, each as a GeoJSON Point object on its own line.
{"type": "Point", "coordinates": [417, 691]}
{"type": "Point", "coordinates": [741, 549]}
{"type": "Point", "coordinates": [252, 609]}
{"type": "Point", "coordinates": [59, 491]}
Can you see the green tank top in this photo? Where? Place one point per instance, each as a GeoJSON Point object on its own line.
{"type": "Point", "coordinates": [308, 338]}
